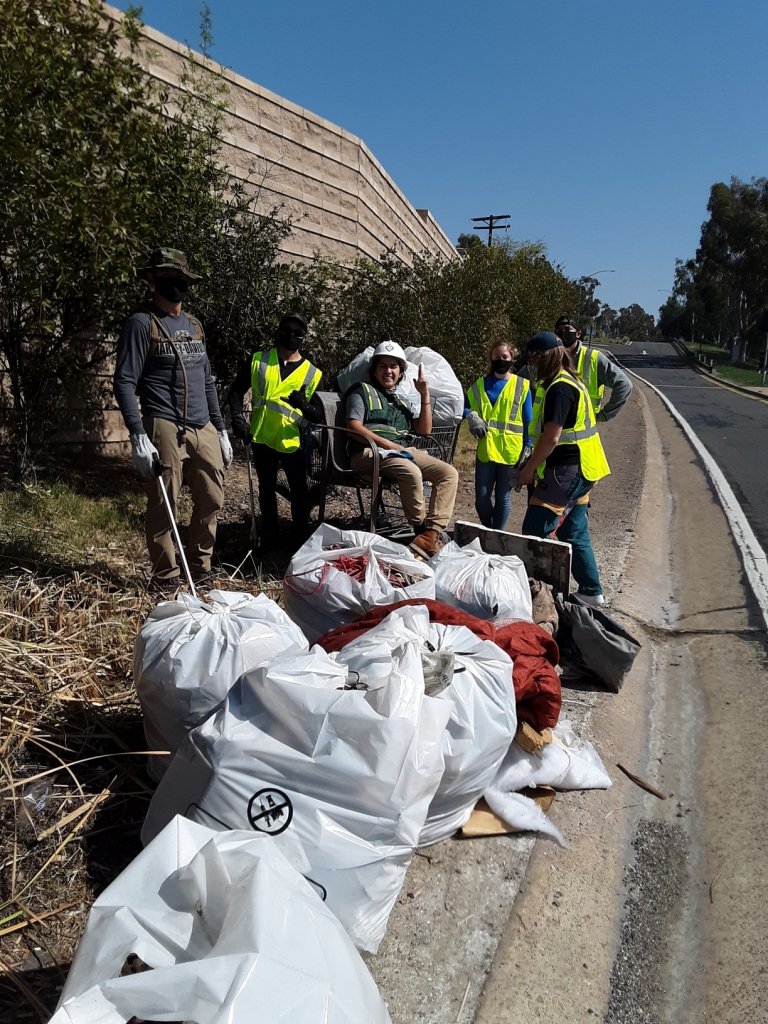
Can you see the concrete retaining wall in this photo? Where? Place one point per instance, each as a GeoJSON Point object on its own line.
{"type": "Point", "coordinates": [341, 200]}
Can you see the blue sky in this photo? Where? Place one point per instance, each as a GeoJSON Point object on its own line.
{"type": "Point", "coordinates": [599, 126]}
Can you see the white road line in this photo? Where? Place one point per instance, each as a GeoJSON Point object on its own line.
{"type": "Point", "coordinates": [752, 555]}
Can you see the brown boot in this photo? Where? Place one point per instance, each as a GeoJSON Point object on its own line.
{"type": "Point", "coordinates": [427, 543]}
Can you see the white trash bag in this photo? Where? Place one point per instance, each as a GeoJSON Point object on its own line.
{"type": "Point", "coordinates": [319, 596]}
{"type": "Point", "coordinates": [346, 774]}
{"type": "Point", "coordinates": [567, 763]}
{"type": "Point", "coordinates": [190, 652]}
{"type": "Point", "coordinates": [232, 934]}
{"type": "Point", "coordinates": [445, 390]}
{"type": "Point", "coordinates": [475, 678]}
{"type": "Point", "coordinates": [486, 586]}
{"type": "Point", "coordinates": [356, 372]}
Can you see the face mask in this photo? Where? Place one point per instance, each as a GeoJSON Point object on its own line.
{"type": "Point", "coordinates": [501, 365]}
{"type": "Point", "coordinates": [290, 341]}
{"type": "Point", "coordinates": [568, 338]}
{"type": "Point", "coordinates": [172, 288]}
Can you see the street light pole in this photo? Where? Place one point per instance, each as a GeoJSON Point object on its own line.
{"type": "Point", "coordinates": [591, 328]}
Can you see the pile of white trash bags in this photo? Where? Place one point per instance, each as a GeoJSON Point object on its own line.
{"type": "Point", "coordinates": [445, 390]}
{"type": "Point", "coordinates": [298, 783]}
{"type": "Point", "coordinates": [218, 927]}
{"type": "Point", "coordinates": [351, 761]}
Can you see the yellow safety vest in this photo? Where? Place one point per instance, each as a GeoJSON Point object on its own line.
{"type": "Point", "coordinates": [586, 368]}
{"type": "Point", "coordinates": [594, 465]}
{"type": "Point", "coordinates": [274, 422]}
{"type": "Point", "coordinates": [504, 441]}
{"type": "Point", "coordinates": [534, 427]}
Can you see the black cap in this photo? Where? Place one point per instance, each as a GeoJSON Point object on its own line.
{"type": "Point", "coordinates": [565, 321]}
{"type": "Point", "coordinates": [293, 318]}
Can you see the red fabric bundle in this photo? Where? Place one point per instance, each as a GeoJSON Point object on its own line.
{"type": "Point", "coordinates": [532, 649]}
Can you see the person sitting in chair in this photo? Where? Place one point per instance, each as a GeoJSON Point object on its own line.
{"type": "Point", "coordinates": [376, 412]}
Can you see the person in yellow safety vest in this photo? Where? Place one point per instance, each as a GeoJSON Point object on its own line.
{"type": "Point", "coordinates": [596, 371]}
{"type": "Point", "coordinates": [498, 413]}
{"type": "Point", "coordinates": [282, 385]}
{"type": "Point", "coordinates": [566, 462]}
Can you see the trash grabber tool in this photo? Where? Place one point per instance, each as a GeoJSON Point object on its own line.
{"type": "Point", "coordinates": [254, 528]}
{"type": "Point", "coordinates": [158, 467]}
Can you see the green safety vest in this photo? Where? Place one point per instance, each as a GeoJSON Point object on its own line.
{"type": "Point", "coordinates": [391, 420]}
{"type": "Point", "coordinates": [594, 465]}
{"type": "Point", "coordinates": [274, 422]}
{"type": "Point", "coordinates": [586, 368]}
{"type": "Point", "coordinates": [504, 441]}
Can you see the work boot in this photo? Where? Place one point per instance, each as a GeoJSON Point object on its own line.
{"type": "Point", "coordinates": [165, 586]}
{"type": "Point", "coordinates": [427, 543]}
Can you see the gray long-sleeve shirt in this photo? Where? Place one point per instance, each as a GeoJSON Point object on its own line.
{"type": "Point", "coordinates": [611, 376]}
{"type": "Point", "coordinates": [153, 375]}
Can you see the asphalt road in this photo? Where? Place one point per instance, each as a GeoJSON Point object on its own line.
{"type": "Point", "coordinates": [733, 427]}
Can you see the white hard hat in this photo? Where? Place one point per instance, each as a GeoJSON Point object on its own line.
{"type": "Point", "coordinates": [392, 349]}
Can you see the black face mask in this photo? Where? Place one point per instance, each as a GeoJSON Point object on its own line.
{"type": "Point", "coordinates": [173, 289]}
{"type": "Point", "coordinates": [501, 365]}
{"type": "Point", "coordinates": [290, 340]}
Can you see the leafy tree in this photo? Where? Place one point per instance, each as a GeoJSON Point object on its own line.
{"type": "Point", "coordinates": [96, 167]}
{"type": "Point", "coordinates": [635, 323]}
{"type": "Point", "coordinates": [502, 292]}
{"type": "Point", "coordinates": [722, 289]}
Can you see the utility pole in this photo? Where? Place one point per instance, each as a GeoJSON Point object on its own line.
{"type": "Point", "coordinates": [492, 222]}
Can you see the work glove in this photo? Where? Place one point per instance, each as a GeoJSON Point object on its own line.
{"type": "Point", "coordinates": [299, 400]}
{"type": "Point", "coordinates": [477, 425]}
{"type": "Point", "coordinates": [143, 454]}
{"type": "Point", "coordinates": [240, 428]}
{"type": "Point", "coordinates": [601, 417]}
{"type": "Point", "coordinates": [226, 448]}
{"type": "Point", "coordinates": [524, 456]}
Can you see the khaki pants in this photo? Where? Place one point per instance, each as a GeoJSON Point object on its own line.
{"type": "Point", "coordinates": [196, 461]}
{"type": "Point", "coordinates": [409, 477]}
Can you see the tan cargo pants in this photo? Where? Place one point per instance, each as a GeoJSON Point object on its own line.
{"type": "Point", "coordinates": [197, 462]}
{"type": "Point", "coordinates": [409, 477]}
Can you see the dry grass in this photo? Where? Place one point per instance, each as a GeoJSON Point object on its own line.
{"type": "Point", "coordinates": [72, 787]}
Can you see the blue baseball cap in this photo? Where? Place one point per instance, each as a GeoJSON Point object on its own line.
{"type": "Point", "coordinates": [543, 342]}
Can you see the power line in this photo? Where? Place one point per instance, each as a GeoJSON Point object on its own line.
{"type": "Point", "coordinates": [492, 223]}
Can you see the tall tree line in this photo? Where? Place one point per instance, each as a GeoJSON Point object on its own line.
{"type": "Point", "coordinates": [721, 295]}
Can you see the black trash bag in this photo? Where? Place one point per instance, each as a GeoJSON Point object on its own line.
{"type": "Point", "coordinates": [594, 643]}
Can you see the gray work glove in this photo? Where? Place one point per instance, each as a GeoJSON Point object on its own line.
{"type": "Point", "coordinates": [524, 456]}
{"type": "Point", "coordinates": [143, 454]}
{"type": "Point", "coordinates": [477, 425]}
{"type": "Point", "coordinates": [226, 448]}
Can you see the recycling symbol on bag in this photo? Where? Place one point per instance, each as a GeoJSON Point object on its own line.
{"type": "Point", "coordinates": [270, 811]}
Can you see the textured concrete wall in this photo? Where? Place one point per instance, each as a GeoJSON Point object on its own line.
{"type": "Point", "coordinates": [339, 197]}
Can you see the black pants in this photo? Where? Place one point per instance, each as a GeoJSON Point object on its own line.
{"type": "Point", "coordinates": [266, 462]}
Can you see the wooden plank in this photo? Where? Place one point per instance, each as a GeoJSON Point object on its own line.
{"type": "Point", "coordinates": [544, 559]}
